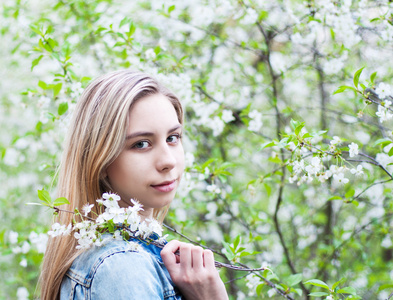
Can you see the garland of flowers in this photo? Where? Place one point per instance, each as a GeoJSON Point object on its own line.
{"type": "Point", "coordinates": [122, 223]}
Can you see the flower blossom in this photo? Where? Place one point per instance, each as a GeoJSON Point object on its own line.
{"type": "Point", "coordinates": [87, 209]}
{"type": "Point", "coordinates": [353, 149]}
{"type": "Point", "coordinates": [384, 90]}
{"type": "Point", "coordinates": [89, 233]}
{"type": "Point", "coordinates": [358, 171]}
{"type": "Point", "coordinates": [255, 123]}
{"type": "Point", "coordinates": [383, 112]}
{"type": "Point", "coordinates": [227, 116]}
{"type": "Point", "coordinates": [340, 178]}
{"type": "Point", "coordinates": [58, 229]}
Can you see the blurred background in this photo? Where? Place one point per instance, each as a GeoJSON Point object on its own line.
{"type": "Point", "coordinates": [288, 131]}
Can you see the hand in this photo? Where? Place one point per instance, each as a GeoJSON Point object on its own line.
{"type": "Point", "coordinates": [193, 271]}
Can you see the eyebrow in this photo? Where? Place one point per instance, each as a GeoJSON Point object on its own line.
{"type": "Point", "coordinates": [147, 133]}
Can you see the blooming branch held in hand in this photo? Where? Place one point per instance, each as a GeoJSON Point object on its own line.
{"type": "Point", "coordinates": [123, 223]}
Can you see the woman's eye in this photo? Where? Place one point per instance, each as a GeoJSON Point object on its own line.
{"type": "Point", "coordinates": [141, 145]}
{"type": "Point", "coordinates": [174, 138]}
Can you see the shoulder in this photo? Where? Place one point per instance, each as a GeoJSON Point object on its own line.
{"type": "Point", "coordinates": [115, 255]}
{"type": "Point", "coordinates": [119, 268]}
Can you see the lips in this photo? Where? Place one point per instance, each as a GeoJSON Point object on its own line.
{"type": "Point", "coordinates": [166, 186]}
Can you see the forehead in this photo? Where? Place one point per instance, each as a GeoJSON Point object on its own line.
{"type": "Point", "coordinates": [152, 112]}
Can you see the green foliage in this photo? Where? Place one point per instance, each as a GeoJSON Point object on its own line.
{"type": "Point", "coordinates": [274, 95]}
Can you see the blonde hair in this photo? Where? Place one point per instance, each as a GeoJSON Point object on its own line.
{"type": "Point", "coordinates": [95, 138]}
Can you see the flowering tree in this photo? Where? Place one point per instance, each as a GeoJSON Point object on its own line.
{"type": "Point", "coordinates": [288, 131]}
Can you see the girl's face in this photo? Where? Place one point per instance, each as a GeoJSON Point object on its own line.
{"type": "Point", "coordinates": [151, 164]}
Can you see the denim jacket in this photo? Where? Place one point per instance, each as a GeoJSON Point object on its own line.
{"type": "Point", "coordinates": [119, 271]}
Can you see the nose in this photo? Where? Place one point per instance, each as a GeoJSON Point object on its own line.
{"type": "Point", "coordinates": [166, 158]}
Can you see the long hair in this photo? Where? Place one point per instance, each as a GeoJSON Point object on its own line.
{"type": "Point", "coordinates": [95, 138]}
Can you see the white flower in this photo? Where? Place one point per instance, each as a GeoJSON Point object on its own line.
{"type": "Point", "coordinates": [155, 226]}
{"type": "Point", "coordinates": [315, 166]}
{"type": "Point", "coordinates": [255, 123]}
{"type": "Point", "coordinates": [340, 178]}
{"type": "Point", "coordinates": [22, 293]}
{"type": "Point", "coordinates": [58, 229]}
{"type": "Point", "coordinates": [386, 242]}
{"type": "Point", "coordinates": [353, 150]}
{"type": "Point", "coordinates": [39, 240]}
{"type": "Point", "coordinates": [144, 230]}
{"type": "Point", "coordinates": [86, 234]}
{"type": "Point", "coordinates": [132, 246]}
{"type": "Point", "coordinates": [298, 166]}
{"type": "Point", "coordinates": [213, 189]}
{"type": "Point", "coordinates": [110, 200]}
{"type": "Point", "coordinates": [383, 112]}
{"type": "Point", "coordinates": [336, 141]}
{"type": "Point", "coordinates": [150, 54]}
{"type": "Point", "coordinates": [384, 90]}
{"type": "Point", "coordinates": [271, 292]}
{"type": "Point", "coordinates": [162, 239]}
{"type": "Point", "coordinates": [329, 298]}
{"type": "Point", "coordinates": [358, 171]}
{"type": "Point", "coordinates": [217, 125]}
{"type": "Point", "coordinates": [227, 116]}
{"type": "Point", "coordinates": [23, 263]}
{"type": "Point", "coordinates": [87, 209]}
{"type": "Point", "coordinates": [136, 205]}
{"type": "Point", "coordinates": [13, 237]}
{"type": "Point", "coordinates": [252, 283]}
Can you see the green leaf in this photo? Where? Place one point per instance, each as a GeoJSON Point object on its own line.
{"type": "Point", "coordinates": [344, 88]}
{"type": "Point", "coordinates": [299, 128]}
{"type": "Point", "coordinates": [390, 152]}
{"type": "Point", "coordinates": [56, 88]}
{"type": "Point", "coordinates": [60, 201]}
{"type": "Point", "coordinates": [111, 226]}
{"type": "Point", "coordinates": [294, 124]}
{"type": "Point", "coordinates": [267, 145]}
{"type": "Point", "coordinates": [294, 279]}
{"type": "Point", "coordinates": [132, 30]}
{"type": "Point", "coordinates": [350, 193]}
{"type": "Point", "coordinates": [42, 85]}
{"type": "Point", "coordinates": [298, 291]}
{"type": "Point", "coordinates": [335, 198]}
{"type": "Point", "coordinates": [347, 290]}
{"type": "Point", "coordinates": [44, 196]}
{"type": "Point", "coordinates": [229, 253]}
{"type": "Point", "coordinates": [35, 62]}
{"type": "Point", "coordinates": [372, 77]}
{"type": "Point", "coordinates": [356, 76]}
{"type": "Point", "coordinates": [237, 241]}
{"type": "Point", "coordinates": [385, 286]}
{"type": "Point", "coordinates": [171, 9]}
{"type": "Point", "coordinates": [34, 203]}
{"type": "Point", "coordinates": [63, 107]}
{"type": "Point", "coordinates": [318, 294]}
{"type": "Point", "coordinates": [337, 283]}
{"type": "Point", "coordinates": [259, 289]}
{"type": "Point", "coordinates": [36, 30]}
{"type": "Point", "coordinates": [124, 21]}
{"type": "Point", "coordinates": [318, 282]}
{"type": "Point", "coordinates": [383, 142]}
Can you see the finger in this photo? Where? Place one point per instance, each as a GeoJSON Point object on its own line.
{"type": "Point", "coordinates": [208, 259]}
{"type": "Point", "coordinates": [168, 253]}
{"type": "Point", "coordinates": [185, 257]}
{"type": "Point", "coordinates": [197, 258]}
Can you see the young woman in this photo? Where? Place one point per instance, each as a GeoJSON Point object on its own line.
{"type": "Point", "coordinates": [125, 138]}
